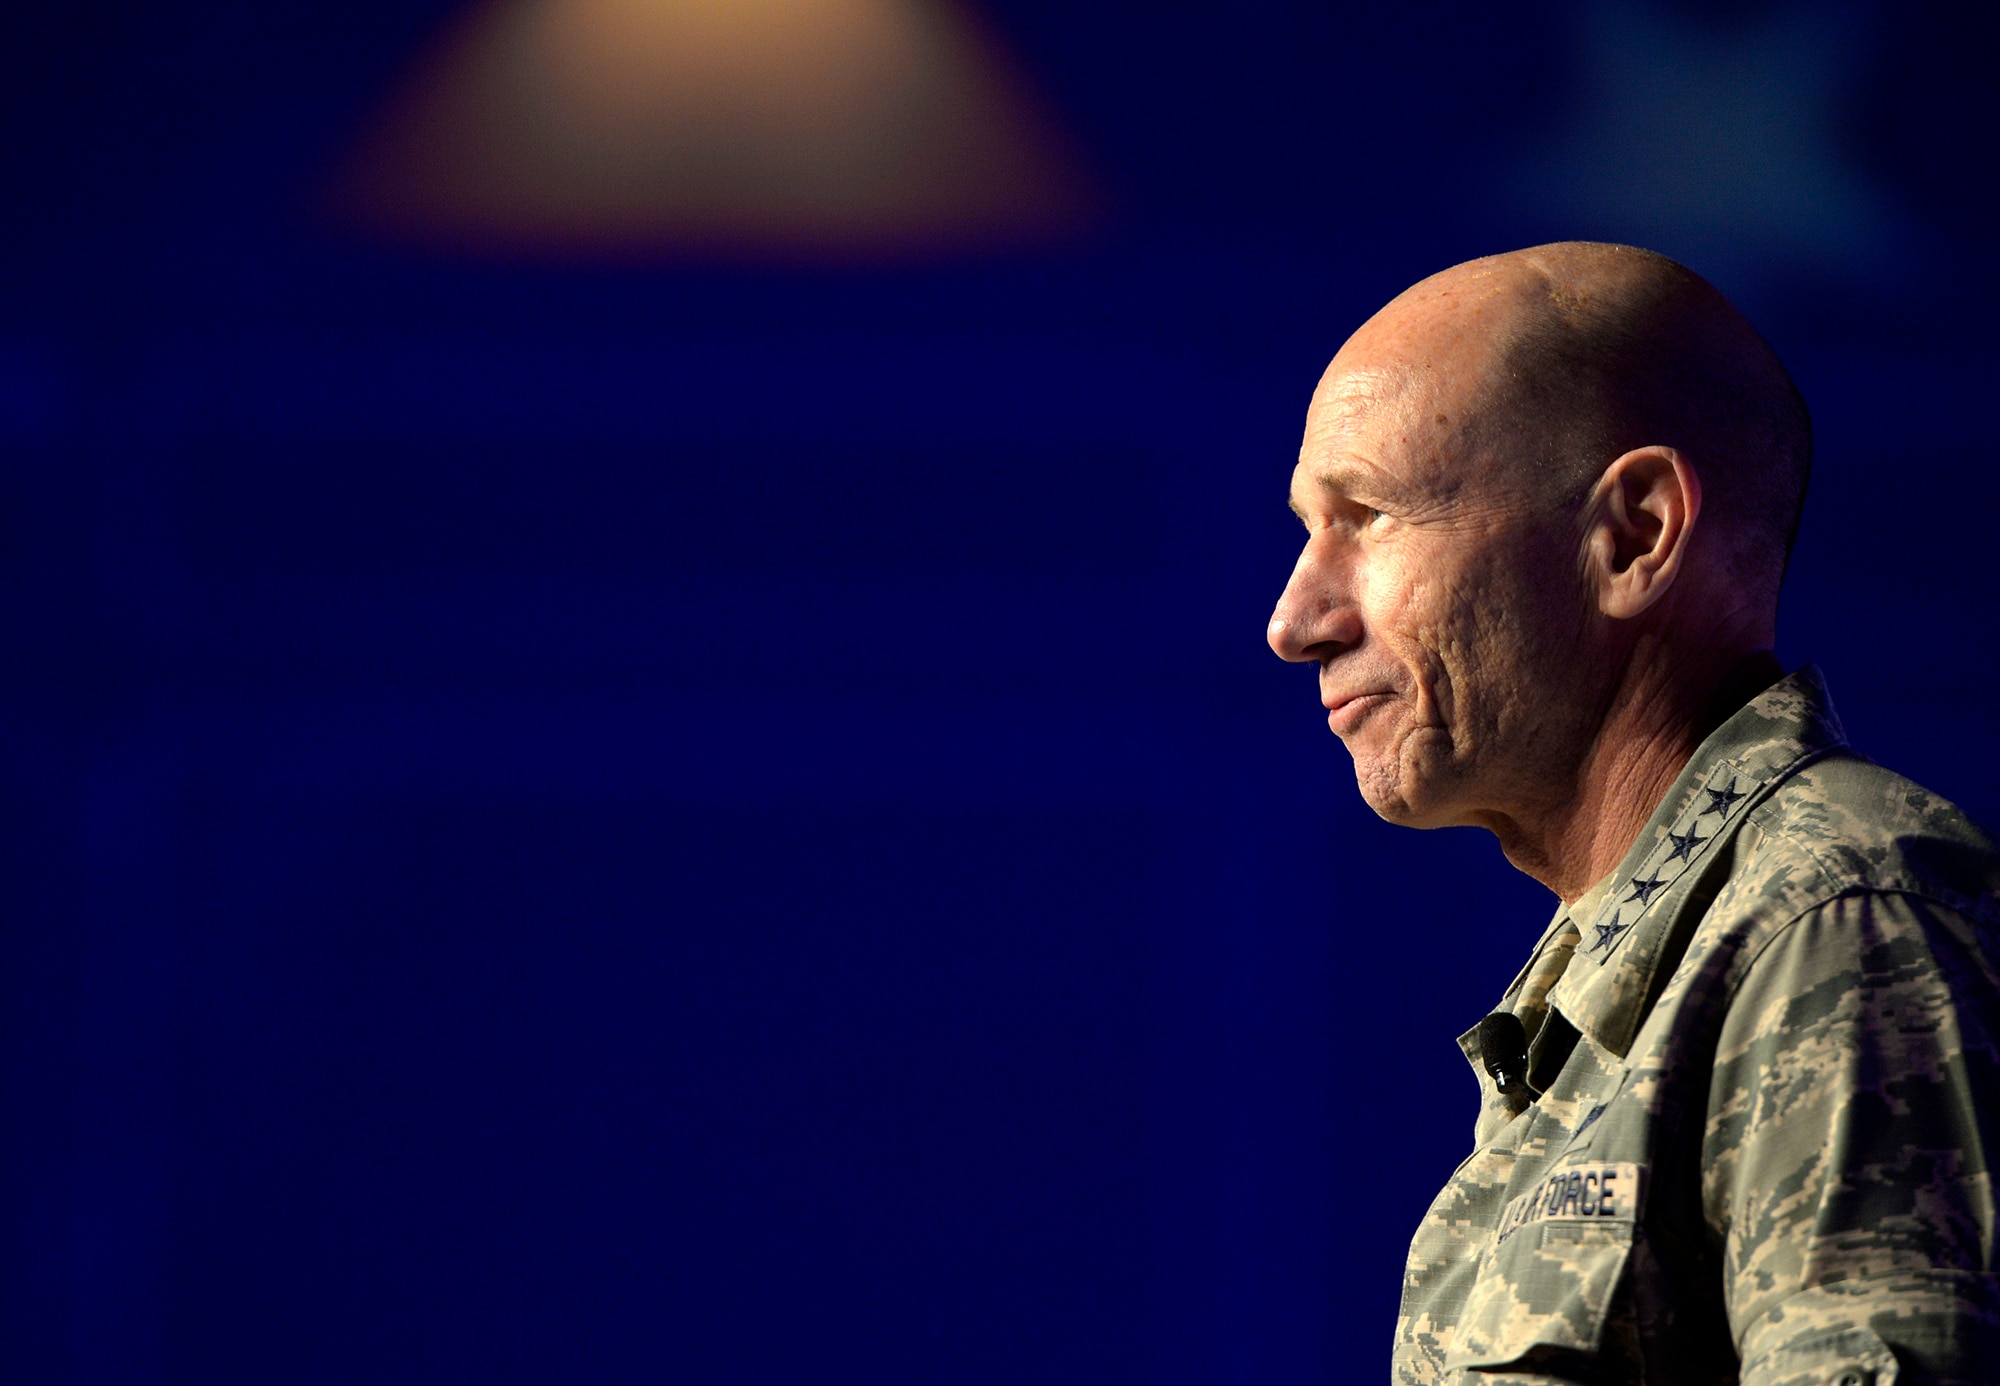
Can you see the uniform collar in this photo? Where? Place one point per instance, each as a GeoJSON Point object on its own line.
{"type": "Point", "coordinates": [1626, 920]}
{"type": "Point", "coordinates": [1559, 927]}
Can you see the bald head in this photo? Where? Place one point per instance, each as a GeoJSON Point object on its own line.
{"type": "Point", "coordinates": [1551, 362]}
{"type": "Point", "coordinates": [1547, 498]}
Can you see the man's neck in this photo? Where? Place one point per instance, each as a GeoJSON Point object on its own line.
{"type": "Point", "coordinates": [1655, 721]}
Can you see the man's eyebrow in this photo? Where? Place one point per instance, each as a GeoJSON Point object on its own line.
{"type": "Point", "coordinates": [1342, 480]}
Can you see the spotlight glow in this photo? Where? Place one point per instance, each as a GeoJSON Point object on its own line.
{"type": "Point", "coordinates": [843, 128]}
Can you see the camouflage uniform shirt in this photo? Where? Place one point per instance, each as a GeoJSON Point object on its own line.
{"type": "Point", "coordinates": [1767, 1052]}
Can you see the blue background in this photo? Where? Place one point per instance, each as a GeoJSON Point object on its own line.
{"type": "Point", "coordinates": [736, 824]}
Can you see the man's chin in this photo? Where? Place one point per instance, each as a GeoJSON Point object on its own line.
{"type": "Point", "coordinates": [1382, 794]}
{"type": "Point", "coordinates": [1397, 802]}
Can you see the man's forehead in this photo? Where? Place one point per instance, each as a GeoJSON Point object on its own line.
{"type": "Point", "coordinates": [1391, 431]}
{"type": "Point", "coordinates": [1347, 394]}
{"type": "Point", "coordinates": [1343, 409]}
{"type": "Point", "coordinates": [1434, 345]}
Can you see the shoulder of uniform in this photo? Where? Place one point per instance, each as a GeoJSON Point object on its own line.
{"type": "Point", "coordinates": [1845, 824]}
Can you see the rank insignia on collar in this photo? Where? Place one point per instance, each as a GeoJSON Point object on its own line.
{"type": "Point", "coordinates": [1607, 934]}
{"type": "Point", "coordinates": [1643, 891]}
{"type": "Point", "coordinates": [1684, 844]}
{"type": "Point", "coordinates": [1719, 800]}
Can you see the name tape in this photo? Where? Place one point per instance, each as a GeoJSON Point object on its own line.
{"type": "Point", "coordinates": [1593, 1193]}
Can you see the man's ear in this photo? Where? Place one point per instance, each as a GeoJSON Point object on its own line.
{"type": "Point", "coordinates": [1637, 525]}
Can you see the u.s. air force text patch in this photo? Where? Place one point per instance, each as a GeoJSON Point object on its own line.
{"type": "Point", "coordinates": [1597, 1193]}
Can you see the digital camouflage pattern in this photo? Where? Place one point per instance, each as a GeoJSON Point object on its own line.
{"type": "Point", "coordinates": [1768, 1050]}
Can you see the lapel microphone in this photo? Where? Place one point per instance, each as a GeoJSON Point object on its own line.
{"type": "Point", "coordinates": [1503, 1048]}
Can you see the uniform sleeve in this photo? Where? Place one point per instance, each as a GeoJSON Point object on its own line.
{"type": "Point", "coordinates": [1856, 1102]}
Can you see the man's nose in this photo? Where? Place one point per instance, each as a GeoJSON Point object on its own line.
{"type": "Point", "coordinates": [1313, 619]}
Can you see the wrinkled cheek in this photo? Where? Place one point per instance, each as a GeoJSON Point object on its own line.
{"type": "Point", "coordinates": [1464, 674]}
{"type": "Point", "coordinates": [1436, 686]}
{"type": "Point", "coordinates": [1443, 654]}
{"type": "Point", "coordinates": [1406, 629]}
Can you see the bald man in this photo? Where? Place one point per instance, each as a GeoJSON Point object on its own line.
{"type": "Point", "coordinates": [1738, 1103]}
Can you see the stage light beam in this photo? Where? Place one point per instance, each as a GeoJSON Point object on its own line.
{"type": "Point", "coordinates": [844, 128]}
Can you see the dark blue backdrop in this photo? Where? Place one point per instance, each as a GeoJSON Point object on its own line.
{"type": "Point", "coordinates": [735, 824]}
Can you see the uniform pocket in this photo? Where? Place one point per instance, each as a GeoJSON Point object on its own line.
{"type": "Point", "coordinates": [1546, 1282]}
